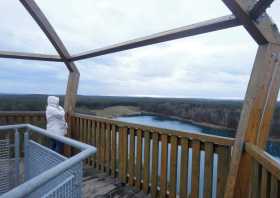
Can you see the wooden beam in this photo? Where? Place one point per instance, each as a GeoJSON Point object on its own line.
{"type": "Point", "coordinates": [73, 79]}
{"type": "Point", "coordinates": [71, 92]}
{"type": "Point", "coordinates": [260, 8]}
{"type": "Point", "coordinates": [262, 30]}
{"type": "Point", "coordinates": [256, 115]}
{"type": "Point", "coordinates": [190, 30]}
{"type": "Point", "coordinates": [29, 56]}
{"type": "Point", "coordinates": [49, 31]}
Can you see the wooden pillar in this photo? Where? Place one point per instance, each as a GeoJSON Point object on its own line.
{"type": "Point", "coordinates": [255, 119]}
{"type": "Point", "coordinates": [71, 92]}
{"type": "Point", "coordinates": [70, 101]}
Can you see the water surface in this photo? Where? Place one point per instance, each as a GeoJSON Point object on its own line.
{"type": "Point", "coordinates": [169, 123]}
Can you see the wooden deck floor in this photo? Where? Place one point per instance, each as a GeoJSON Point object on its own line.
{"type": "Point", "coordinates": [99, 185]}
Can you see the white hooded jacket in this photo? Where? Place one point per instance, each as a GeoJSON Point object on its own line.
{"type": "Point", "coordinates": [55, 117]}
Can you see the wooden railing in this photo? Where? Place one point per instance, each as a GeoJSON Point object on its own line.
{"type": "Point", "coordinates": [265, 173]}
{"type": "Point", "coordinates": [158, 161]}
{"type": "Point", "coordinates": [16, 117]}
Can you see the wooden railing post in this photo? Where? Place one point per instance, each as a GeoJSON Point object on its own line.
{"type": "Point", "coordinates": [255, 117]}
{"type": "Point", "coordinates": [71, 92]}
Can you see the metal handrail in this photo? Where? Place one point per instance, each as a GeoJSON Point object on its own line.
{"type": "Point", "coordinates": [36, 182]}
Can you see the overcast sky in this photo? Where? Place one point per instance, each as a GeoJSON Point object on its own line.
{"type": "Point", "coordinates": [214, 65]}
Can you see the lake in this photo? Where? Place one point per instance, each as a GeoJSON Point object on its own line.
{"type": "Point", "coordinates": [169, 123]}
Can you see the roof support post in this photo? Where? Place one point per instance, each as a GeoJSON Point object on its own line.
{"type": "Point", "coordinates": [71, 92]}
{"type": "Point", "coordinates": [255, 119]}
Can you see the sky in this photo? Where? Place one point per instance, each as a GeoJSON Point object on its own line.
{"type": "Point", "coordinates": [213, 65]}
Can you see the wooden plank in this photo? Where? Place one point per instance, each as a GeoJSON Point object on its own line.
{"type": "Point", "coordinates": [87, 136]}
{"type": "Point", "coordinates": [103, 145]}
{"type": "Point", "coordinates": [184, 168]}
{"type": "Point", "coordinates": [155, 156]}
{"type": "Point", "coordinates": [208, 174]}
{"type": "Point", "coordinates": [77, 132]}
{"type": "Point", "coordinates": [163, 176]}
{"type": "Point", "coordinates": [98, 157]}
{"type": "Point", "coordinates": [274, 191]}
{"type": "Point", "coordinates": [256, 174]}
{"type": "Point", "coordinates": [80, 129]}
{"type": "Point", "coordinates": [84, 123]}
{"type": "Point", "coordinates": [195, 168]}
{"type": "Point", "coordinates": [173, 166]}
{"type": "Point", "coordinates": [263, 31]}
{"type": "Point", "coordinates": [114, 148]}
{"type": "Point", "coordinates": [146, 167]}
{"type": "Point", "coordinates": [125, 152]}
{"type": "Point", "coordinates": [223, 165]}
{"type": "Point", "coordinates": [93, 141]}
{"type": "Point", "coordinates": [121, 155]}
{"type": "Point", "coordinates": [255, 118]}
{"type": "Point", "coordinates": [139, 159]}
{"type": "Point", "coordinates": [184, 134]}
{"type": "Point", "coordinates": [131, 164]}
{"type": "Point", "coordinates": [185, 31]}
{"type": "Point", "coordinates": [30, 56]}
{"type": "Point", "coordinates": [264, 184]}
{"type": "Point", "coordinates": [108, 148]}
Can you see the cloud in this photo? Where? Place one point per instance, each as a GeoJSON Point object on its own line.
{"type": "Point", "coordinates": [215, 65]}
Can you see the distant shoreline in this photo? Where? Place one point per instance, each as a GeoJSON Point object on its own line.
{"type": "Point", "coordinates": [201, 124]}
{"type": "Point", "coordinates": [128, 111]}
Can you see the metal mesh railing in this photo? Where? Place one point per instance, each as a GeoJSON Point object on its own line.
{"type": "Point", "coordinates": [39, 159]}
{"type": "Point", "coordinates": [64, 190]}
{"type": "Point", "coordinates": [46, 173]}
{"type": "Point", "coordinates": [4, 165]}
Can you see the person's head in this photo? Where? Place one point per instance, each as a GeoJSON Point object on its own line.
{"type": "Point", "coordinates": [53, 101]}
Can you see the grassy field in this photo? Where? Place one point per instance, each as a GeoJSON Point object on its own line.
{"type": "Point", "coordinates": [113, 111]}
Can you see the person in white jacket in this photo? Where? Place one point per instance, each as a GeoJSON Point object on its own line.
{"type": "Point", "coordinates": [56, 124]}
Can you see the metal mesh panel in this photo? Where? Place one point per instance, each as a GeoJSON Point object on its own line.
{"type": "Point", "coordinates": [64, 190]}
{"type": "Point", "coordinates": [40, 159]}
{"type": "Point", "coordinates": [5, 179]}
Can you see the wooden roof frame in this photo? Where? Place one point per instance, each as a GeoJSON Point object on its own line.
{"type": "Point", "coordinates": [262, 91]}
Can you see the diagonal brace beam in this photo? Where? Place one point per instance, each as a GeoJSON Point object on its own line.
{"type": "Point", "coordinates": [189, 30]}
{"type": "Point", "coordinates": [260, 8]}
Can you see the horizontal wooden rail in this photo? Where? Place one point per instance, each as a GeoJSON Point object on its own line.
{"type": "Point", "coordinates": [157, 161]}
{"type": "Point", "coordinates": [190, 30]}
{"type": "Point", "coordinates": [199, 136]}
{"type": "Point", "coordinates": [30, 56]}
{"type": "Point", "coordinates": [19, 117]}
{"type": "Point", "coordinates": [265, 173]}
